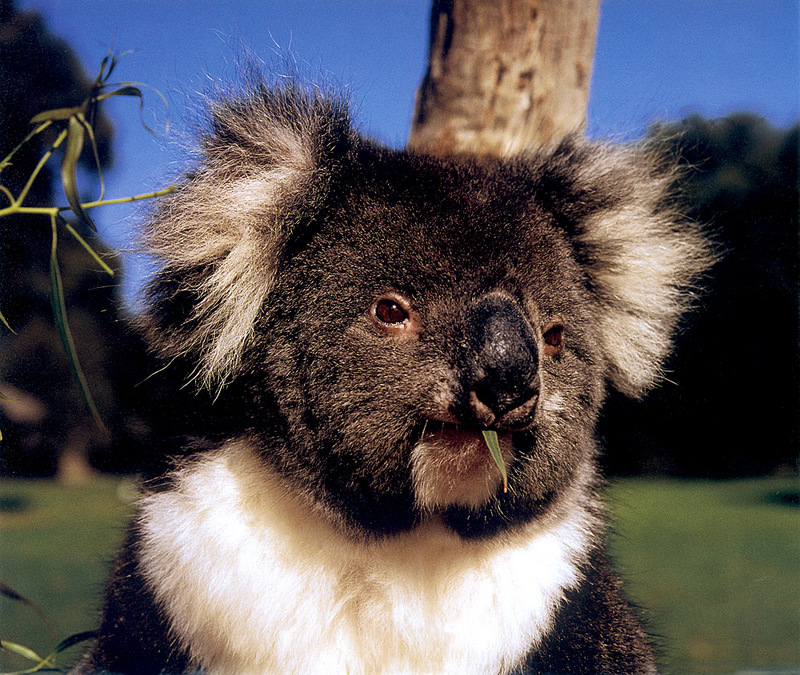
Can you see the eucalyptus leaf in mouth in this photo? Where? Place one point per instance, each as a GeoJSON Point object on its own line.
{"type": "Point", "coordinates": [490, 437]}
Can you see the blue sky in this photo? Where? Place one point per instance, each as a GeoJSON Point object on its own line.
{"type": "Point", "coordinates": [655, 60]}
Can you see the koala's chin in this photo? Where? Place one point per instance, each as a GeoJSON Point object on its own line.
{"type": "Point", "coordinates": [354, 318]}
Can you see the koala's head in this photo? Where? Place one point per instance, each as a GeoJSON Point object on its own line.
{"type": "Point", "coordinates": [372, 311]}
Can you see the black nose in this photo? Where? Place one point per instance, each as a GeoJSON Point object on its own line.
{"type": "Point", "coordinates": [499, 363]}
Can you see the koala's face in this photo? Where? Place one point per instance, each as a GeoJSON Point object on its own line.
{"type": "Point", "coordinates": [368, 313]}
{"type": "Point", "coordinates": [433, 301]}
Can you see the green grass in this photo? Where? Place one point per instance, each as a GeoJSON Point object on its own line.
{"type": "Point", "coordinates": [55, 545]}
{"type": "Point", "coordinates": [716, 564]}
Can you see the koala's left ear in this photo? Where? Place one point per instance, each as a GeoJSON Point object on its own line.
{"type": "Point", "coordinates": [642, 259]}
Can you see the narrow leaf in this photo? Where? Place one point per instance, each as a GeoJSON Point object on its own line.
{"type": "Point", "coordinates": [129, 89]}
{"type": "Point", "coordinates": [20, 650]}
{"type": "Point", "coordinates": [69, 166]}
{"type": "Point", "coordinates": [75, 639]}
{"type": "Point", "coordinates": [55, 114]}
{"type": "Point", "coordinates": [96, 155]}
{"type": "Point", "coordinates": [60, 318]}
{"type": "Point", "coordinates": [4, 321]}
{"type": "Point", "coordinates": [47, 663]}
{"type": "Point", "coordinates": [122, 91]}
{"type": "Point", "coordinates": [102, 75]}
{"type": "Point", "coordinates": [490, 437]}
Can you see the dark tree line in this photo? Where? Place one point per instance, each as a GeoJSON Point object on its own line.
{"type": "Point", "coordinates": [732, 406]}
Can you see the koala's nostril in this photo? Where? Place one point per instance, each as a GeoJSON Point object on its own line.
{"type": "Point", "coordinates": [502, 396]}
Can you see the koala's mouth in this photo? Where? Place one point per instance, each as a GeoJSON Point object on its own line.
{"type": "Point", "coordinates": [455, 429]}
{"type": "Point", "coordinates": [449, 428]}
{"type": "Point", "coordinates": [453, 465]}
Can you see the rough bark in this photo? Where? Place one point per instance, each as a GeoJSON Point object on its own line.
{"type": "Point", "coordinates": [504, 75]}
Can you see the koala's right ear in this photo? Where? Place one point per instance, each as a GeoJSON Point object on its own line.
{"type": "Point", "coordinates": [266, 161]}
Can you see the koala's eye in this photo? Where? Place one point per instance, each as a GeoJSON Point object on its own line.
{"type": "Point", "coordinates": [390, 311]}
{"type": "Point", "coordinates": [554, 338]}
{"type": "Point", "coordinates": [392, 314]}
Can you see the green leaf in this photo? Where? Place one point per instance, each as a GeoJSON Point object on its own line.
{"type": "Point", "coordinates": [129, 90]}
{"type": "Point", "coordinates": [69, 165]}
{"type": "Point", "coordinates": [47, 663]}
{"type": "Point", "coordinates": [96, 155]}
{"type": "Point", "coordinates": [60, 317]}
{"type": "Point", "coordinates": [4, 321]}
{"type": "Point", "coordinates": [494, 447]}
{"type": "Point", "coordinates": [24, 652]}
{"type": "Point", "coordinates": [102, 76]}
{"type": "Point", "coordinates": [134, 89]}
{"type": "Point", "coordinates": [56, 114]}
{"type": "Point", "coordinates": [122, 91]}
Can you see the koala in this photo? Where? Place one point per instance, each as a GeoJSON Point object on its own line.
{"type": "Point", "coordinates": [360, 316]}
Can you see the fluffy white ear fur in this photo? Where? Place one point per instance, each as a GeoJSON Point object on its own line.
{"type": "Point", "coordinates": [642, 259]}
{"type": "Point", "coordinates": [224, 230]}
{"type": "Point", "coordinates": [233, 214]}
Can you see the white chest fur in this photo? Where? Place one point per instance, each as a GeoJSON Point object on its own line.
{"type": "Point", "coordinates": [255, 583]}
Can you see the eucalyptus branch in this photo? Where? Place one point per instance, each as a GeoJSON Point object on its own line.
{"type": "Point", "coordinates": [75, 127]}
{"type": "Point", "coordinates": [125, 200]}
{"type": "Point", "coordinates": [50, 210]}
{"type": "Point", "coordinates": [7, 160]}
{"type": "Point", "coordinates": [24, 193]}
{"type": "Point", "coordinates": [62, 325]}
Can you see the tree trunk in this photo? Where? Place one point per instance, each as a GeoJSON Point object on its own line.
{"type": "Point", "coordinates": [504, 75]}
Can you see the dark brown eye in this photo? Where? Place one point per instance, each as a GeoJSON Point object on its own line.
{"type": "Point", "coordinates": [391, 312]}
{"type": "Point", "coordinates": [553, 337]}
